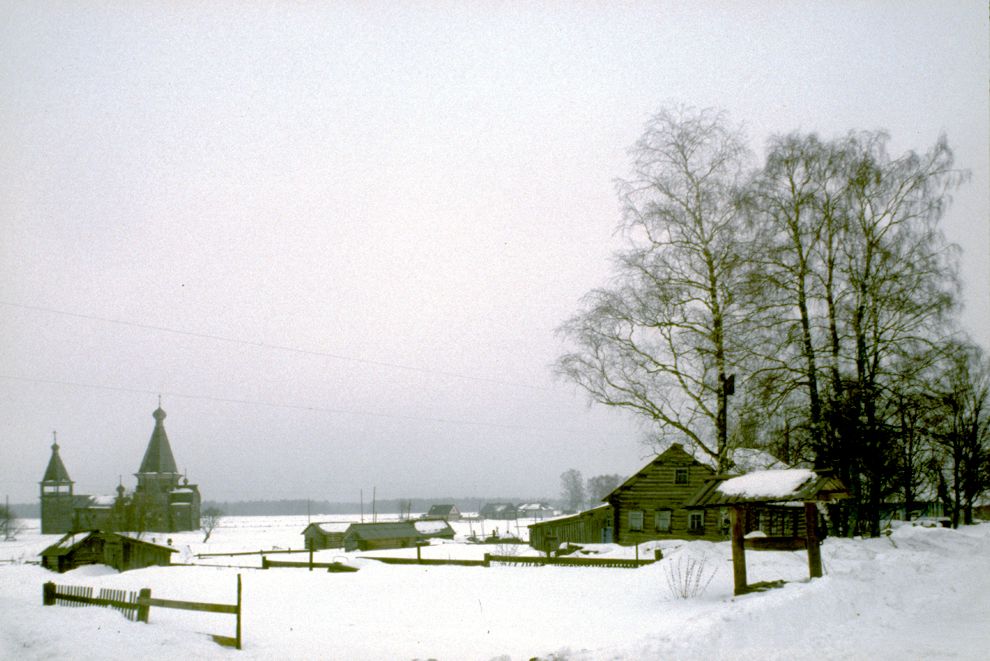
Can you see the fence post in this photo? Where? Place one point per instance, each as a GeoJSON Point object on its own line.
{"type": "Point", "coordinates": [488, 560]}
{"type": "Point", "coordinates": [48, 594]}
{"type": "Point", "coordinates": [143, 606]}
{"type": "Point", "coordinates": [238, 637]}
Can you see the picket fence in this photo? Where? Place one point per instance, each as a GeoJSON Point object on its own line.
{"type": "Point", "coordinates": [136, 607]}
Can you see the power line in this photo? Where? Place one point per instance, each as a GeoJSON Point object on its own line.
{"type": "Point", "coordinates": [279, 347]}
{"type": "Point", "coordinates": [302, 407]}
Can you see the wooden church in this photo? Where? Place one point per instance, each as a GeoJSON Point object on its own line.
{"type": "Point", "coordinates": [162, 501]}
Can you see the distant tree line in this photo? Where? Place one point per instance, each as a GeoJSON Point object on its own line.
{"type": "Point", "coordinates": [806, 304]}
{"type": "Point", "coordinates": [398, 507]}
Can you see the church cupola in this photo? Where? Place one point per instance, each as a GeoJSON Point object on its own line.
{"type": "Point", "coordinates": [56, 474]}
{"type": "Point", "coordinates": [158, 457]}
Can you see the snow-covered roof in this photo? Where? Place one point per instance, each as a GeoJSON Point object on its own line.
{"type": "Point", "coordinates": [771, 486]}
{"type": "Point", "coordinates": [431, 527]}
{"type": "Point", "coordinates": [331, 526]}
{"type": "Point", "coordinates": [766, 483]}
{"type": "Point", "coordinates": [558, 519]}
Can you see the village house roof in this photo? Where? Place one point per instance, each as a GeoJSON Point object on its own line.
{"type": "Point", "coordinates": [55, 472]}
{"type": "Point", "coordinates": [769, 486]}
{"type": "Point", "coordinates": [567, 517]}
{"type": "Point", "coordinates": [442, 510]}
{"type": "Point", "coordinates": [675, 452]}
{"type": "Point", "coordinates": [433, 527]}
{"type": "Point", "coordinates": [72, 540]}
{"type": "Point", "coordinates": [329, 527]}
{"type": "Point", "coordinates": [743, 460]}
{"type": "Point", "coordinates": [158, 457]}
{"type": "Point", "coordinates": [386, 530]}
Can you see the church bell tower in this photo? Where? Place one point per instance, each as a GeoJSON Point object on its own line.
{"type": "Point", "coordinates": [56, 495]}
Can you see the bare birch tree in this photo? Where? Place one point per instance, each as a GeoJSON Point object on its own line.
{"type": "Point", "coordinates": [662, 340]}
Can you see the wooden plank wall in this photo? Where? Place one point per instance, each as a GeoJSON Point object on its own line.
{"type": "Point", "coordinates": [654, 488]}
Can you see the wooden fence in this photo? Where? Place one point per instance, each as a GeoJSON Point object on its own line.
{"type": "Point", "coordinates": [566, 561]}
{"type": "Point", "coordinates": [329, 566]}
{"type": "Point", "coordinates": [539, 561]}
{"type": "Point", "coordinates": [137, 607]}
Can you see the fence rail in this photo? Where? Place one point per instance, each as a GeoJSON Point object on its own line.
{"type": "Point", "coordinates": [329, 566]}
{"type": "Point", "coordinates": [137, 607]}
{"type": "Point", "coordinates": [262, 553]}
{"type": "Point", "coordinates": [567, 561]}
{"type": "Point", "coordinates": [540, 561]}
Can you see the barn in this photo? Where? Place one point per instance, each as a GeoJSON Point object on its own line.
{"type": "Point", "coordinates": [121, 552]}
{"type": "Point", "coordinates": [325, 535]}
{"type": "Point", "coordinates": [393, 534]}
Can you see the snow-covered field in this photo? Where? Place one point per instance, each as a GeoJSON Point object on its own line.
{"type": "Point", "coordinates": [922, 593]}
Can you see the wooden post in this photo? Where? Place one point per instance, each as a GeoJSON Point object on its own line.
{"type": "Point", "coordinates": [488, 560]}
{"type": "Point", "coordinates": [238, 636]}
{"type": "Point", "coordinates": [143, 606]}
{"type": "Point", "coordinates": [310, 559]}
{"type": "Point", "coordinates": [419, 552]}
{"type": "Point", "coordinates": [811, 536]}
{"type": "Point", "coordinates": [48, 594]}
{"type": "Point", "coordinates": [737, 519]}
{"type": "Point", "coordinates": [637, 555]}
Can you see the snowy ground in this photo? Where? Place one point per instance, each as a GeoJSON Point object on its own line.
{"type": "Point", "coordinates": [922, 593]}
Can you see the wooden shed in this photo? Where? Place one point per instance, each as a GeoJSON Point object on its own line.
{"type": "Point", "coordinates": [388, 535]}
{"type": "Point", "coordinates": [107, 548]}
{"type": "Point", "coordinates": [325, 535]}
{"type": "Point", "coordinates": [393, 534]}
{"type": "Point", "coordinates": [592, 526]}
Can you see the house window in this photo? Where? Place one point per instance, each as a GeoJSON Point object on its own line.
{"type": "Point", "coordinates": [636, 520]}
{"type": "Point", "coordinates": [661, 520]}
{"type": "Point", "coordinates": [680, 476]}
{"type": "Point", "coordinates": [696, 521]}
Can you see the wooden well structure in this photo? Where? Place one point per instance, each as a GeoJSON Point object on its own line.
{"type": "Point", "coordinates": [742, 494]}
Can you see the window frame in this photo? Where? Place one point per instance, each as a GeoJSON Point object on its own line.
{"type": "Point", "coordinates": [642, 520]}
{"type": "Point", "coordinates": [698, 516]}
{"type": "Point", "coordinates": [681, 476]}
{"type": "Point", "coordinates": [670, 519]}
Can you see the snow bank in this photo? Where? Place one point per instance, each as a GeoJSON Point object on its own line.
{"type": "Point", "coordinates": [919, 593]}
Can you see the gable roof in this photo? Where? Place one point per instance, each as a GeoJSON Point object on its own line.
{"type": "Point", "coordinates": [438, 510]}
{"type": "Point", "coordinates": [158, 457]}
{"type": "Point", "coordinates": [433, 528]}
{"type": "Point", "coordinates": [770, 486]}
{"type": "Point", "coordinates": [329, 527]}
{"type": "Point", "coordinates": [386, 530]}
{"type": "Point", "coordinates": [55, 472]}
{"type": "Point", "coordinates": [73, 540]}
{"type": "Point", "coordinates": [675, 452]}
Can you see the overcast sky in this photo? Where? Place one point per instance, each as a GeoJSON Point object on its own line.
{"type": "Point", "coordinates": [337, 237]}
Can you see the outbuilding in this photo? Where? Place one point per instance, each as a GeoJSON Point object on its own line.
{"type": "Point", "coordinates": [116, 550]}
{"type": "Point", "coordinates": [325, 535]}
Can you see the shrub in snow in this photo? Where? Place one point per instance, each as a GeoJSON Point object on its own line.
{"type": "Point", "coordinates": [688, 576]}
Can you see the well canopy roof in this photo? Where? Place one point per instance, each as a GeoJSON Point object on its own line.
{"type": "Point", "coordinates": [769, 486]}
